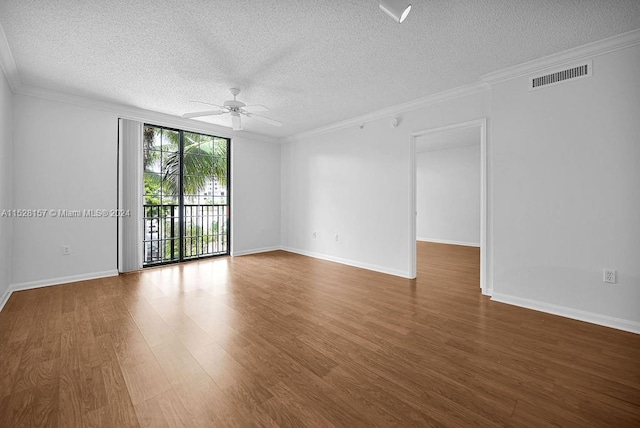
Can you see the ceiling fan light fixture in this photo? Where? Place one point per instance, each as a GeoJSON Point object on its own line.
{"type": "Point", "coordinates": [396, 9]}
{"type": "Point", "coordinates": [235, 121]}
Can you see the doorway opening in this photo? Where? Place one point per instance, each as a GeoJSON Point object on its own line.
{"type": "Point", "coordinates": [186, 207]}
{"type": "Point", "coordinates": [450, 219]}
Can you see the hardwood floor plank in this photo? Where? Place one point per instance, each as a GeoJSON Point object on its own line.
{"type": "Point", "coordinates": [12, 353]}
{"type": "Point", "coordinates": [70, 398]}
{"type": "Point", "coordinates": [282, 415]}
{"type": "Point", "coordinates": [46, 395]}
{"type": "Point", "coordinates": [287, 408]}
{"type": "Point", "coordinates": [18, 410]}
{"type": "Point", "coordinates": [52, 341]}
{"type": "Point", "coordinates": [154, 330]}
{"type": "Point", "coordinates": [22, 325]}
{"type": "Point", "coordinates": [144, 380]}
{"type": "Point", "coordinates": [209, 405]}
{"type": "Point", "coordinates": [122, 412]}
{"type": "Point", "coordinates": [164, 409]}
{"type": "Point", "coordinates": [178, 364]}
{"type": "Point", "coordinates": [69, 355]}
{"type": "Point", "coordinates": [94, 395]}
{"type": "Point", "coordinates": [221, 367]}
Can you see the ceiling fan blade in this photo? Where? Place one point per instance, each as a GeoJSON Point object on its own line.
{"type": "Point", "coordinates": [237, 124]}
{"type": "Point", "coordinates": [203, 113]}
{"type": "Point", "coordinates": [203, 102]}
{"type": "Point", "coordinates": [255, 108]}
{"type": "Point", "coordinates": [265, 119]}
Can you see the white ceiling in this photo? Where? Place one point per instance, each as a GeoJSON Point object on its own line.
{"type": "Point", "coordinates": [449, 139]}
{"type": "Point", "coordinates": [312, 62]}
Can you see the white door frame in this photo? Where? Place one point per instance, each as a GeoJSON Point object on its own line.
{"type": "Point", "coordinates": [481, 124]}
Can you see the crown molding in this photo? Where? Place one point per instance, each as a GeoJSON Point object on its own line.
{"type": "Point", "coordinates": [439, 97]}
{"type": "Point", "coordinates": [8, 64]}
{"type": "Point", "coordinates": [139, 114]}
{"type": "Point", "coordinates": [580, 53]}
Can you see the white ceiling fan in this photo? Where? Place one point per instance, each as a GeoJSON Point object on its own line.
{"type": "Point", "coordinates": [235, 108]}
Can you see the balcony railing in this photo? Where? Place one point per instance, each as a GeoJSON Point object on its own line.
{"type": "Point", "coordinates": [204, 234]}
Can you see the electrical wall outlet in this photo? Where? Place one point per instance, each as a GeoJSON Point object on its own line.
{"type": "Point", "coordinates": [609, 276]}
{"type": "Point", "coordinates": [66, 250]}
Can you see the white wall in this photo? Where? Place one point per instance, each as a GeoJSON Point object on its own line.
{"type": "Point", "coordinates": [256, 196]}
{"type": "Point", "coordinates": [355, 183]}
{"type": "Point", "coordinates": [6, 187]}
{"type": "Point", "coordinates": [65, 157]}
{"type": "Point", "coordinates": [448, 195]}
{"type": "Point", "coordinates": [566, 183]}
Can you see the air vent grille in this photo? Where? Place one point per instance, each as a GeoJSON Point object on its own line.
{"type": "Point", "coordinates": [561, 76]}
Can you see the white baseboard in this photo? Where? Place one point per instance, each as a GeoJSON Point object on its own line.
{"type": "Point", "coordinates": [255, 251]}
{"type": "Point", "coordinates": [563, 311]}
{"type": "Point", "coordinates": [5, 298]}
{"type": "Point", "coordinates": [348, 262]}
{"type": "Point", "coordinates": [449, 241]}
{"type": "Point", "coordinates": [54, 281]}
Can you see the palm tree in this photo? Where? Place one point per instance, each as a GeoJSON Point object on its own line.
{"type": "Point", "coordinates": [205, 158]}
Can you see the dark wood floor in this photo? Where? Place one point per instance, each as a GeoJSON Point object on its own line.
{"type": "Point", "coordinates": [279, 339]}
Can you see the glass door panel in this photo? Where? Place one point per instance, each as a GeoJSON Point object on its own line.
{"type": "Point", "coordinates": [186, 181]}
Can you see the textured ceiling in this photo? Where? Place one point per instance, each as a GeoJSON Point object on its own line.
{"type": "Point", "coordinates": [312, 62]}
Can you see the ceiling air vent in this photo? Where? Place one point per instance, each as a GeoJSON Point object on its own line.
{"type": "Point", "coordinates": [561, 76]}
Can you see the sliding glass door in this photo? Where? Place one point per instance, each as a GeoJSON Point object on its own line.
{"type": "Point", "coordinates": [186, 192]}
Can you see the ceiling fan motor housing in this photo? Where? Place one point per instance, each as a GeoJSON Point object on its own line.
{"type": "Point", "coordinates": [234, 105]}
